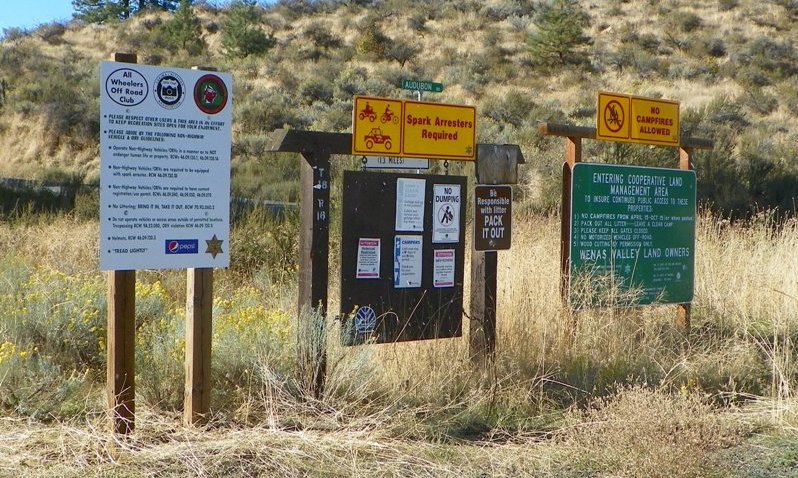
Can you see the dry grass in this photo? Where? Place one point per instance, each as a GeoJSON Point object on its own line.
{"type": "Point", "coordinates": [552, 406]}
{"type": "Point", "coordinates": [636, 433]}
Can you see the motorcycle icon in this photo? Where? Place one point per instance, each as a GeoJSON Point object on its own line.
{"type": "Point", "coordinates": [389, 116]}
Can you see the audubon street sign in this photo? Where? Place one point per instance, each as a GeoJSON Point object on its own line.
{"type": "Point", "coordinates": [417, 85]}
{"type": "Point", "coordinates": [634, 228]}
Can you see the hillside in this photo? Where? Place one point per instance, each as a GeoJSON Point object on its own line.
{"type": "Point", "coordinates": [730, 63]}
{"type": "Point", "coordinates": [604, 391]}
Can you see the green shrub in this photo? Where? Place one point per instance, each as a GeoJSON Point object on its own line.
{"type": "Point", "coordinates": [513, 109]}
{"type": "Point", "coordinates": [316, 89]}
{"type": "Point", "coordinates": [402, 52]}
{"type": "Point", "coordinates": [686, 22]}
{"type": "Point", "coordinates": [728, 5]}
{"type": "Point", "coordinates": [241, 34]}
{"type": "Point", "coordinates": [759, 101]}
{"type": "Point", "coordinates": [183, 29]}
{"type": "Point", "coordinates": [372, 43]}
{"type": "Point", "coordinates": [52, 33]}
{"type": "Point", "coordinates": [263, 240]}
{"type": "Point", "coordinates": [160, 347]}
{"type": "Point", "coordinates": [560, 39]}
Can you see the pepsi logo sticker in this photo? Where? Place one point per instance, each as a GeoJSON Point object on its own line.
{"type": "Point", "coordinates": [181, 246]}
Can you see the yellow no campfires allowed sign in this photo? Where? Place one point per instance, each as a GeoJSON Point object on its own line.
{"type": "Point", "coordinates": [637, 119]}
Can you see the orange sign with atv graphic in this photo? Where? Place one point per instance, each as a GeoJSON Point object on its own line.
{"type": "Point", "coordinates": [413, 129]}
{"type": "Point", "coordinates": [377, 126]}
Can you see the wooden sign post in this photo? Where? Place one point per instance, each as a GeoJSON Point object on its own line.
{"type": "Point", "coordinates": [120, 387]}
{"type": "Point", "coordinates": [496, 164]}
{"type": "Point", "coordinates": [121, 337]}
{"type": "Point", "coordinates": [314, 247]}
{"type": "Point", "coordinates": [573, 155]}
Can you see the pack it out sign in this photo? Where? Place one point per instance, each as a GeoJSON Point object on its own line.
{"type": "Point", "coordinates": [126, 87]}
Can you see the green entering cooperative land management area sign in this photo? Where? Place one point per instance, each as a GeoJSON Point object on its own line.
{"type": "Point", "coordinates": [633, 227]}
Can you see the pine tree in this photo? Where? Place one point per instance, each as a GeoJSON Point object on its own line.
{"type": "Point", "coordinates": [241, 36]}
{"type": "Point", "coordinates": [184, 29]}
{"type": "Point", "coordinates": [560, 38]}
{"type": "Point", "coordinates": [97, 11]}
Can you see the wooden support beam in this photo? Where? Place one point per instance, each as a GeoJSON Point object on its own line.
{"type": "Point", "coordinates": [588, 132]}
{"type": "Point", "coordinates": [573, 155]}
{"type": "Point", "coordinates": [314, 249]}
{"type": "Point", "coordinates": [683, 310]}
{"type": "Point", "coordinates": [121, 352]}
{"type": "Point", "coordinates": [297, 141]}
{"type": "Point", "coordinates": [482, 334]}
{"type": "Point", "coordinates": [495, 164]}
{"type": "Point", "coordinates": [120, 384]}
{"type": "Point", "coordinates": [199, 332]}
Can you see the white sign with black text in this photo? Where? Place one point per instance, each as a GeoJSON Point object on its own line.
{"type": "Point", "coordinates": [410, 198]}
{"type": "Point", "coordinates": [446, 208]}
{"type": "Point", "coordinates": [407, 261]}
{"type": "Point", "coordinates": [389, 162]}
{"type": "Point", "coordinates": [368, 259]}
{"type": "Point", "coordinates": [443, 268]}
{"type": "Point", "coordinates": [165, 136]}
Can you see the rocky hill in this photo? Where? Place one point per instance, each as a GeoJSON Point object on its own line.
{"type": "Point", "coordinates": [731, 64]}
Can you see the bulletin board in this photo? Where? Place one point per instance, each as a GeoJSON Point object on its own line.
{"type": "Point", "coordinates": [402, 256]}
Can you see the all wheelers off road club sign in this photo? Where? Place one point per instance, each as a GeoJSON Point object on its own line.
{"type": "Point", "coordinates": [165, 167]}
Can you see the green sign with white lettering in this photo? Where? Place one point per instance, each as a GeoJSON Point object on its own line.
{"type": "Point", "coordinates": [417, 85]}
{"type": "Point", "coordinates": [632, 235]}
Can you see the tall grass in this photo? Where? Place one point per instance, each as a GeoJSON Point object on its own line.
{"type": "Point", "coordinates": [548, 381]}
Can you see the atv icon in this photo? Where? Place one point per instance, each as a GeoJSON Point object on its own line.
{"type": "Point", "coordinates": [368, 112]}
{"type": "Point", "coordinates": [376, 137]}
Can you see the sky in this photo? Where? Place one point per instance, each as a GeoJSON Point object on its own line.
{"type": "Point", "coordinates": [31, 13]}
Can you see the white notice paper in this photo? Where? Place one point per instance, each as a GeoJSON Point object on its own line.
{"type": "Point", "coordinates": [407, 262]}
{"type": "Point", "coordinates": [410, 197]}
{"type": "Point", "coordinates": [446, 210]}
{"type": "Point", "coordinates": [368, 259]}
{"type": "Point", "coordinates": [443, 268]}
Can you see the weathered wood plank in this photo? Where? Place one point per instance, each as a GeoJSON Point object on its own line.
{"type": "Point", "coordinates": [199, 332]}
{"type": "Point", "coordinates": [588, 132]}
{"type": "Point", "coordinates": [297, 141]}
{"type": "Point", "coordinates": [121, 358]}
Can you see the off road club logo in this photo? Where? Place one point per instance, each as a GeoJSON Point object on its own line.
{"type": "Point", "coordinates": [169, 90]}
{"type": "Point", "coordinates": [210, 94]}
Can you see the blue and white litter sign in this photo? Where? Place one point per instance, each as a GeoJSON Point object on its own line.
{"type": "Point", "coordinates": [407, 261]}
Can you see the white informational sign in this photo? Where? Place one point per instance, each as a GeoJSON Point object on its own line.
{"type": "Point", "coordinates": [407, 261]}
{"type": "Point", "coordinates": [443, 268]}
{"type": "Point", "coordinates": [165, 136]}
{"type": "Point", "coordinates": [410, 195]}
{"type": "Point", "coordinates": [446, 210]}
{"type": "Point", "coordinates": [389, 162]}
{"type": "Point", "coordinates": [368, 259]}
